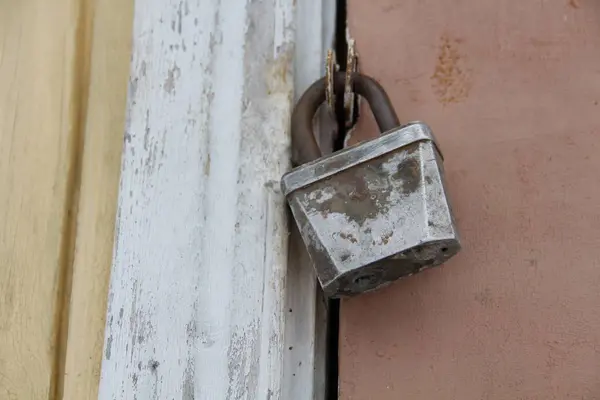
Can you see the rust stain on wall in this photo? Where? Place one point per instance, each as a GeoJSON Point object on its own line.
{"type": "Point", "coordinates": [451, 78]}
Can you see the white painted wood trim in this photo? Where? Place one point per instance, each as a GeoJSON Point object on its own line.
{"type": "Point", "coordinates": [197, 303]}
{"type": "Point", "coordinates": [306, 322]}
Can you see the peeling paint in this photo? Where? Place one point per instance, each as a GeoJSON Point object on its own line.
{"type": "Point", "coordinates": [204, 145]}
{"type": "Point", "coordinates": [107, 351]}
{"type": "Point", "coordinates": [173, 74]}
{"type": "Point", "coordinates": [243, 365]}
{"type": "Point", "coordinates": [188, 389]}
{"type": "Point", "coordinates": [179, 18]}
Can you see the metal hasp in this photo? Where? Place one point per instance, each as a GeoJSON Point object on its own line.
{"type": "Point", "coordinates": [374, 212]}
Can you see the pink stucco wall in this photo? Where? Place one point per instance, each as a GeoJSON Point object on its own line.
{"type": "Point", "coordinates": [512, 91]}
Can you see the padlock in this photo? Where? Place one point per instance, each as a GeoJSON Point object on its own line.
{"type": "Point", "coordinates": [373, 212]}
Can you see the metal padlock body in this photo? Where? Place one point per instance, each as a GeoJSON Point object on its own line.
{"type": "Point", "coordinates": [374, 212]}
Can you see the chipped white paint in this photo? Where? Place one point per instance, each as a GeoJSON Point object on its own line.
{"type": "Point", "coordinates": [305, 331]}
{"type": "Point", "coordinates": [197, 300]}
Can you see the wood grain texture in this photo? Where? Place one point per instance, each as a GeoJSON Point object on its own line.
{"type": "Point", "coordinates": [511, 90]}
{"type": "Point", "coordinates": [63, 71]}
{"type": "Point", "coordinates": [102, 143]}
{"type": "Point", "coordinates": [197, 296]}
{"type": "Point", "coordinates": [38, 130]}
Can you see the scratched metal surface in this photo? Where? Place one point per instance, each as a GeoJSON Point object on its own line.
{"type": "Point", "coordinates": [348, 157]}
{"type": "Point", "coordinates": [371, 202]}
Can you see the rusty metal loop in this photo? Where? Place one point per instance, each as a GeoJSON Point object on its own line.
{"type": "Point", "coordinates": [304, 143]}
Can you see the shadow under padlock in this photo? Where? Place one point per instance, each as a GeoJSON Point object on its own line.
{"type": "Point", "coordinates": [373, 212]}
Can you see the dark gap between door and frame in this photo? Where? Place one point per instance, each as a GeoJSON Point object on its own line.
{"type": "Point", "coordinates": [333, 313]}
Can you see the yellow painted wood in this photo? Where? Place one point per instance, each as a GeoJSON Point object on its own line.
{"type": "Point", "coordinates": [37, 121]}
{"type": "Point", "coordinates": [102, 146]}
{"type": "Point", "coordinates": [63, 69]}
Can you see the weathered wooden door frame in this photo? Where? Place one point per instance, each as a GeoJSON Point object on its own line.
{"type": "Point", "coordinates": [203, 302]}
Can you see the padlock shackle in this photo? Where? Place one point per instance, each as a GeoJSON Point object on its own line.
{"type": "Point", "coordinates": [304, 143]}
